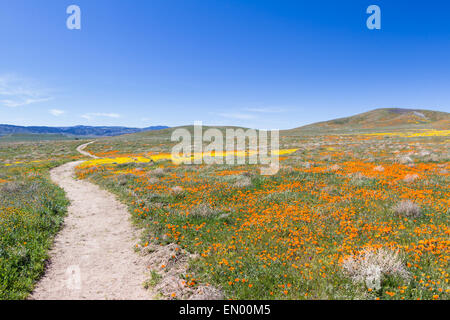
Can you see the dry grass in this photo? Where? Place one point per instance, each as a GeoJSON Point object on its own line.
{"type": "Point", "coordinates": [158, 173]}
{"type": "Point", "coordinates": [408, 208]}
{"type": "Point", "coordinates": [11, 187]}
{"type": "Point", "coordinates": [371, 266]}
{"type": "Point", "coordinates": [334, 167]}
{"type": "Point", "coordinates": [206, 293]}
{"type": "Point", "coordinates": [203, 210]}
{"type": "Point", "coordinates": [177, 190]}
{"type": "Point", "coordinates": [242, 182]}
{"type": "Point", "coordinates": [405, 160]}
{"type": "Point", "coordinates": [410, 178]}
{"type": "Point", "coordinates": [379, 169]}
{"type": "Point", "coordinates": [123, 179]}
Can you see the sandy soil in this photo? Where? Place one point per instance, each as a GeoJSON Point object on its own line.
{"type": "Point", "coordinates": [93, 255]}
{"type": "Point", "coordinates": [80, 149]}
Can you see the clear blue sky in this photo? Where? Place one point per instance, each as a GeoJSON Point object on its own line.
{"type": "Point", "coordinates": [265, 64]}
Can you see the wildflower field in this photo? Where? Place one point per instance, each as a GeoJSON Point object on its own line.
{"type": "Point", "coordinates": [31, 211]}
{"type": "Point", "coordinates": [343, 212]}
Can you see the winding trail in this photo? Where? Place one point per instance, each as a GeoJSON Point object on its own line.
{"type": "Point", "coordinates": [81, 148]}
{"type": "Point", "coordinates": [92, 257]}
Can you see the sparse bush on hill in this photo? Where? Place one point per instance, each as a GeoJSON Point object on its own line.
{"type": "Point", "coordinates": [334, 167]}
{"type": "Point", "coordinates": [358, 179]}
{"type": "Point", "coordinates": [177, 190]}
{"type": "Point", "coordinates": [10, 188]}
{"type": "Point", "coordinates": [372, 265]}
{"type": "Point", "coordinates": [410, 178]}
{"type": "Point", "coordinates": [158, 173]}
{"type": "Point", "coordinates": [242, 181]}
{"type": "Point", "coordinates": [379, 168]}
{"type": "Point", "coordinates": [124, 179]}
{"type": "Point", "coordinates": [408, 208]}
{"type": "Point", "coordinates": [405, 160]}
{"type": "Point", "coordinates": [203, 210]}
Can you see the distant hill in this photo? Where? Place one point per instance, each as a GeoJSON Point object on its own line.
{"type": "Point", "coordinates": [385, 119]}
{"type": "Point", "coordinates": [76, 131]}
{"type": "Point", "coordinates": [35, 137]}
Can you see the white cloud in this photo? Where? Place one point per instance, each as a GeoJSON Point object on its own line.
{"type": "Point", "coordinates": [89, 116]}
{"type": "Point", "coordinates": [250, 113]}
{"type": "Point", "coordinates": [56, 112]}
{"type": "Point", "coordinates": [20, 101]}
{"type": "Point", "coordinates": [240, 116]}
{"type": "Point", "coordinates": [16, 92]}
{"type": "Point", "coordinates": [266, 110]}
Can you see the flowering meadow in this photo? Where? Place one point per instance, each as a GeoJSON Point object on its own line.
{"type": "Point", "coordinates": [348, 216]}
{"type": "Point", "coordinates": [31, 211]}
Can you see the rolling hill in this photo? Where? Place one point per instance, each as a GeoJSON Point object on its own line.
{"type": "Point", "coordinates": [23, 137]}
{"type": "Point", "coordinates": [76, 131]}
{"type": "Point", "coordinates": [384, 119]}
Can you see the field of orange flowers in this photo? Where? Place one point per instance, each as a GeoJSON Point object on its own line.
{"type": "Point", "coordinates": [31, 211]}
{"type": "Point", "coordinates": [301, 233]}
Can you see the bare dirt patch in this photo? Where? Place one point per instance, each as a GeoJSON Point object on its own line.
{"type": "Point", "coordinates": [93, 256]}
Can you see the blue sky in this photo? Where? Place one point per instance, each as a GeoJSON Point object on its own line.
{"type": "Point", "coordinates": [265, 64]}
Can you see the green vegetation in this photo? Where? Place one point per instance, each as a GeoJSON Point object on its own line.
{"type": "Point", "coordinates": [31, 211]}
{"type": "Point", "coordinates": [34, 137]}
{"type": "Point", "coordinates": [301, 233]}
{"type": "Point", "coordinates": [342, 206]}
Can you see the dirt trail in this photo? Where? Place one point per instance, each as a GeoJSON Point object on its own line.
{"type": "Point", "coordinates": [93, 256]}
{"type": "Point", "coordinates": [81, 148]}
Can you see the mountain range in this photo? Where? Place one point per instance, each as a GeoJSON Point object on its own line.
{"type": "Point", "coordinates": [78, 131]}
{"type": "Point", "coordinates": [378, 119]}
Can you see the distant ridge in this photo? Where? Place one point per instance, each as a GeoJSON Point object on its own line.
{"type": "Point", "coordinates": [78, 131]}
{"type": "Point", "coordinates": [385, 118]}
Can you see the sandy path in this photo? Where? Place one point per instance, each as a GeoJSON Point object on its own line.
{"type": "Point", "coordinates": [93, 256]}
{"type": "Point", "coordinates": [80, 149]}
